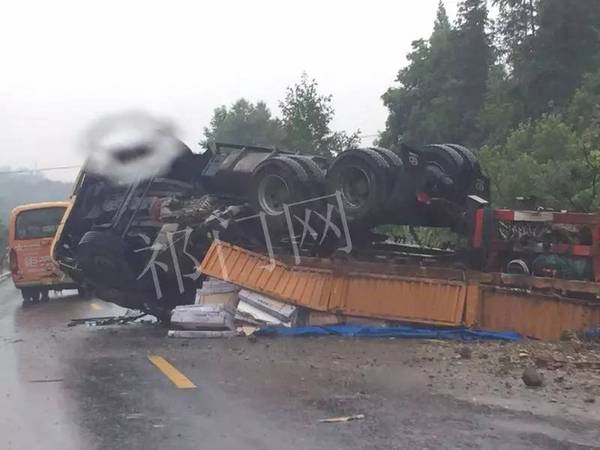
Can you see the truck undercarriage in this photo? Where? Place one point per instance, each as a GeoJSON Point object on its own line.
{"type": "Point", "coordinates": [139, 243]}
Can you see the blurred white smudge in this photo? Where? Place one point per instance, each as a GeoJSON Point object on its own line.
{"type": "Point", "coordinates": [129, 146]}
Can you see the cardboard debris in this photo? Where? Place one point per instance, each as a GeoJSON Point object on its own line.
{"type": "Point", "coordinates": [258, 309]}
{"type": "Point", "coordinates": [366, 321]}
{"type": "Point", "coordinates": [190, 334]}
{"type": "Point", "coordinates": [247, 330]}
{"type": "Point", "coordinates": [319, 319]}
{"type": "Point", "coordinates": [217, 292]}
{"type": "Point", "coordinates": [203, 317]}
{"type": "Point", "coordinates": [342, 419]}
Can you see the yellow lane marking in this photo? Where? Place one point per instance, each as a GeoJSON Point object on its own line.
{"type": "Point", "coordinates": [96, 306]}
{"type": "Point", "coordinates": [178, 379]}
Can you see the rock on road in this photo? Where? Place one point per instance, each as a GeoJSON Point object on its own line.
{"type": "Point", "coordinates": [94, 388]}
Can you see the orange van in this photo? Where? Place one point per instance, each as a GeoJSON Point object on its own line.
{"type": "Point", "coordinates": [31, 230]}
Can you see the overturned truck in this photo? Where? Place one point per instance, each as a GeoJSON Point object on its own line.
{"type": "Point", "coordinates": [138, 244]}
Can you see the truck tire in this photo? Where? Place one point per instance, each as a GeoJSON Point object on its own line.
{"type": "Point", "coordinates": [467, 155]}
{"type": "Point", "coordinates": [311, 167]}
{"type": "Point", "coordinates": [316, 183]}
{"type": "Point", "coordinates": [395, 175]}
{"type": "Point", "coordinates": [278, 181]}
{"type": "Point", "coordinates": [477, 182]}
{"type": "Point", "coordinates": [361, 178]}
{"type": "Point", "coordinates": [448, 159]}
{"type": "Point", "coordinates": [104, 259]}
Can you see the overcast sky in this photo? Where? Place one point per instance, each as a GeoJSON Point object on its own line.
{"type": "Point", "coordinates": [63, 63]}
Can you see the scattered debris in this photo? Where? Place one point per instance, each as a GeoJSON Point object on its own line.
{"type": "Point", "coordinates": [318, 318]}
{"type": "Point", "coordinates": [106, 320]}
{"type": "Point", "coordinates": [367, 321]}
{"type": "Point", "coordinates": [218, 292]}
{"type": "Point", "coordinates": [191, 334]}
{"type": "Point", "coordinates": [342, 419]}
{"type": "Point", "coordinates": [540, 363]}
{"type": "Point", "coordinates": [211, 317]}
{"type": "Point", "coordinates": [465, 352]}
{"type": "Point", "coordinates": [247, 330]}
{"type": "Point", "coordinates": [257, 308]}
{"type": "Point", "coordinates": [568, 335]}
{"type": "Point", "coordinates": [46, 380]}
{"type": "Point", "coordinates": [532, 378]}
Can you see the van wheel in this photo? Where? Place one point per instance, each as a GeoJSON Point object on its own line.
{"type": "Point", "coordinates": [30, 296]}
{"type": "Point", "coordinates": [84, 293]}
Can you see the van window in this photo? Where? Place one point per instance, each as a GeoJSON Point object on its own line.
{"type": "Point", "coordinates": [38, 223]}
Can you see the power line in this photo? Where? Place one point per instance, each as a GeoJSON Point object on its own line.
{"type": "Point", "coordinates": [43, 169]}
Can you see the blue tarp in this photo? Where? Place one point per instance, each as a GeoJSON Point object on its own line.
{"type": "Point", "coordinates": [593, 333]}
{"type": "Point", "coordinates": [401, 331]}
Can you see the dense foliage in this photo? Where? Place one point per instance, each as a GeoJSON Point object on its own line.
{"type": "Point", "coordinates": [525, 90]}
{"type": "Point", "coordinates": [245, 122]}
{"type": "Point", "coordinates": [304, 127]}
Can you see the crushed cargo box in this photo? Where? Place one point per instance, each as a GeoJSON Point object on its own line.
{"type": "Point", "coordinates": [264, 310]}
{"type": "Point", "coordinates": [217, 292]}
{"type": "Point", "coordinates": [203, 317]}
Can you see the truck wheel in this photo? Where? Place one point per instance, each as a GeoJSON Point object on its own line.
{"type": "Point", "coordinates": [311, 167]}
{"type": "Point", "coordinates": [105, 259]}
{"type": "Point", "coordinates": [448, 159]}
{"type": "Point", "coordinates": [360, 176]}
{"type": "Point", "coordinates": [276, 182]}
{"type": "Point", "coordinates": [477, 183]}
{"type": "Point", "coordinates": [396, 177]}
{"type": "Point", "coordinates": [316, 182]}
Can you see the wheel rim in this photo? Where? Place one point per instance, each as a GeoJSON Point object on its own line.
{"type": "Point", "coordinates": [273, 193]}
{"type": "Point", "coordinates": [355, 186]}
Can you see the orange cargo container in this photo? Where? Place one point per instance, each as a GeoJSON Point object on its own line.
{"type": "Point", "coordinates": [413, 294]}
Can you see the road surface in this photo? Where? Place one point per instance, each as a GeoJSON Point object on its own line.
{"type": "Point", "coordinates": [95, 388]}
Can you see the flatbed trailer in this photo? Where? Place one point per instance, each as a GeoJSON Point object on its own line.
{"type": "Point", "coordinates": [535, 300]}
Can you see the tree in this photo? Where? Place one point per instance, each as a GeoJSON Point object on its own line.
{"type": "Point", "coordinates": [516, 28]}
{"type": "Point", "coordinates": [473, 57]}
{"type": "Point", "coordinates": [584, 115]}
{"type": "Point", "coordinates": [306, 118]}
{"type": "Point", "coordinates": [442, 89]}
{"type": "Point", "coordinates": [245, 123]}
{"type": "Point", "coordinates": [550, 45]}
{"type": "Point", "coordinates": [422, 107]}
{"type": "Point", "coordinates": [528, 91]}
{"type": "Point", "coordinates": [555, 158]}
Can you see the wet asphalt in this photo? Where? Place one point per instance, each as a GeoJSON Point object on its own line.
{"type": "Point", "coordinates": [87, 387]}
